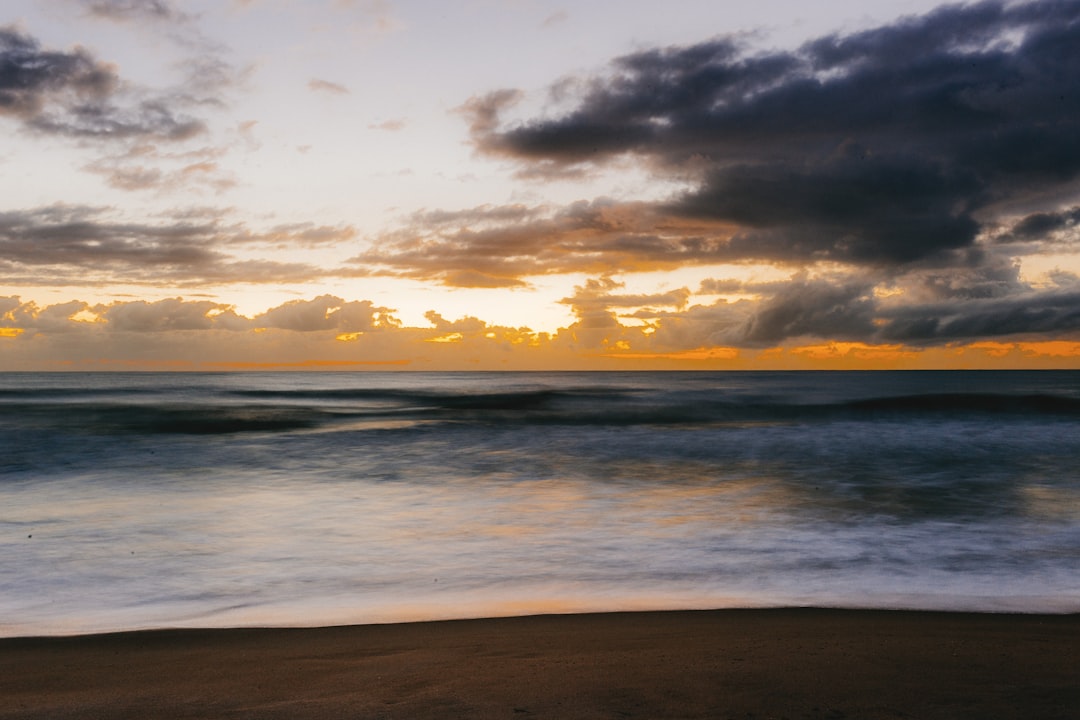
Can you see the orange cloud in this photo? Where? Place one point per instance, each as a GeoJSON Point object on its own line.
{"type": "Point", "coordinates": [855, 350]}
{"type": "Point", "coordinates": [498, 246]}
{"type": "Point", "coordinates": [328, 332]}
{"type": "Point", "coordinates": [714, 353]}
{"type": "Point", "coordinates": [448, 338]}
{"type": "Point", "coordinates": [1047, 348]}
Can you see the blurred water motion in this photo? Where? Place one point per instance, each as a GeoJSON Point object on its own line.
{"type": "Point", "coordinates": [149, 500]}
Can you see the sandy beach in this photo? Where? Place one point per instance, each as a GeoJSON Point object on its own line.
{"type": "Point", "coordinates": [798, 663]}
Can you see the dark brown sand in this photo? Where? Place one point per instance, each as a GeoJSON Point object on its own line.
{"type": "Point", "coordinates": [716, 664]}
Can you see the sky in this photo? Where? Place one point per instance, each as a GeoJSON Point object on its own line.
{"type": "Point", "coordinates": [533, 184]}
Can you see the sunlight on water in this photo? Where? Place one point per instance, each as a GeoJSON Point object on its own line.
{"type": "Point", "coordinates": [1061, 504]}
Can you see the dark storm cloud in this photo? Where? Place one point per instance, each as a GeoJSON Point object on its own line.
{"type": "Point", "coordinates": [879, 148]}
{"type": "Point", "coordinates": [76, 95]}
{"type": "Point", "coordinates": [805, 308]}
{"type": "Point", "coordinates": [896, 147]}
{"type": "Point", "coordinates": [931, 309]}
{"type": "Point", "coordinates": [986, 278]}
{"type": "Point", "coordinates": [842, 209]}
{"type": "Point", "coordinates": [903, 169]}
{"type": "Point", "coordinates": [799, 309]}
{"type": "Point", "coordinates": [1042, 225]}
{"type": "Point", "coordinates": [1031, 315]}
{"type": "Point", "coordinates": [923, 307]}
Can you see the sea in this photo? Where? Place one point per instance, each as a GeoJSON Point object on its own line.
{"type": "Point", "coordinates": [158, 500]}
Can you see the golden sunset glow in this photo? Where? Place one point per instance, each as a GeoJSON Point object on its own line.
{"type": "Point", "coordinates": [707, 354]}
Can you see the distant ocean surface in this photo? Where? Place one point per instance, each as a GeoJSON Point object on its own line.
{"type": "Point", "coordinates": [168, 500]}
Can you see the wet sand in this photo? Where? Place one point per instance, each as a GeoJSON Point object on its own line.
{"type": "Point", "coordinates": [712, 664]}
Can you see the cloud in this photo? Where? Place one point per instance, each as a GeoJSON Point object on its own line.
{"type": "Point", "coordinates": [886, 147]}
{"type": "Point", "coordinates": [327, 312]}
{"type": "Point", "coordinates": [598, 293]}
{"type": "Point", "coordinates": [134, 129]}
{"type": "Point", "coordinates": [389, 125]}
{"type": "Point", "coordinates": [126, 10]}
{"type": "Point", "coordinates": [595, 302]}
{"type": "Point", "coordinates": [1030, 315]}
{"type": "Point", "coordinates": [303, 235]}
{"type": "Point", "coordinates": [805, 308]}
{"type": "Point", "coordinates": [74, 236]}
{"type": "Point", "coordinates": [318, 85]}
{"type": "Point", "coordinates": [1043, 228]}
{"type": "Point", "coordinates": [134, 316]}
{"type": "Point", "coordinates": [720, 286]}
{"type": "Point", "coordinates": [74, 94]}
{"type": "Point", "coordinates": [147, 166]}
{"type": "Point", "coordinates": [163, 315]}
{"type": "Point", "coordinates": [320, 333]}
{"type": "Point", "coordinates": [926, 310]}
{"type": "Point", "coordinates": [898, 172]}
{"type": "Point", "coordinates": [908, 145]}
{"type": "Point", "coordinates": [922, 308]}
{"type": "Point", "coordinates": [30, 77]}
{"type": "Point", "coordinates": [502, 244]}
{"type": "Point", "coordinates": [482, 114]}
{"type": "Point", "coordinates": [556, 18]}
{"type": "Point", "coordinates": [63, 244]}
{"type": "Point", "coordinates": [52, 319]}
{"type": "Point", "coordinates": [328, 331]}
{"type": "Point", "coordinates": [323, 313]}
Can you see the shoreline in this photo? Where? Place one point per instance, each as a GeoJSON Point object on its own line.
{"type": "Point", "coordinates": [793, 662]}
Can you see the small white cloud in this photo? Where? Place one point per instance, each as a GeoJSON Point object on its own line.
{"type": "Point", "coordinates": [389, 125]}
{"type": "Point", "coordinates": [318, 85]}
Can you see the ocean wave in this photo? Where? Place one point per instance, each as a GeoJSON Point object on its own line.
{"type": "Point", "coordinates": [164, 498]}
{"type": "Point", "coordinates": [192, 420]}
{"type": "Point", "coordinates": [285, 411]}
{"type": "Point", "coordinates": [971, 403]}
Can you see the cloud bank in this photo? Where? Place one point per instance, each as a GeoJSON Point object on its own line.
{"type": "Point", "coordinates": [901, 179]}
{"type": "Point", "coordinates": [330, 332]}
{"type": "Point", "coordinates": [62, 244]}
{"type": "Point", "coordinates": [886, 147]}
{"type": "Point", "coordinates": [901, 174]}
